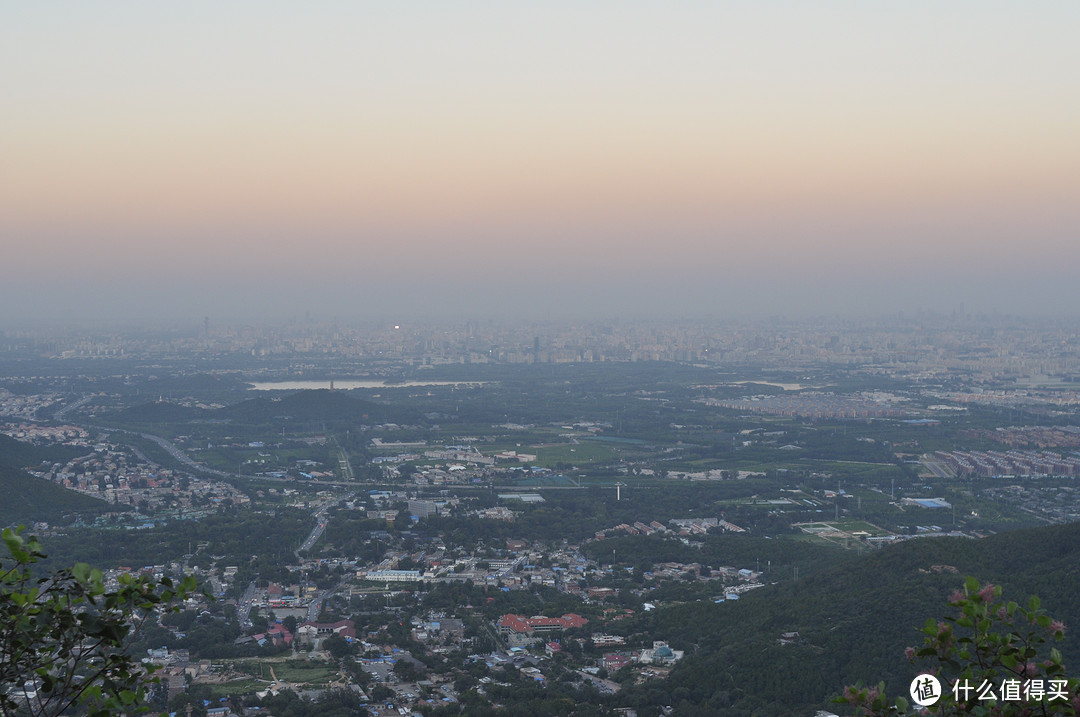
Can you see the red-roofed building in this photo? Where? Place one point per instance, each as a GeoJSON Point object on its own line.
{"type": "Point", "coordinates": [518, 624]}
{"type": "Point", "coordinates": [615, 660]}
{"type": "Point", "coordinates": [574, 620]}
{"type": "Point", "coordinates": [278, 632]}
{"type": "Point", "coordinates": [310, 630]}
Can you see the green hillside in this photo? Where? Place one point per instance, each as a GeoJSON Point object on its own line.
{"type": "Point", "coordinates": [854, 621]}
{"type": "Point", "coordinates": [27, 499]}
{"type": "Point", "coordinates": [302, 407]}
{"type": "Point", "coordinates": [312, 405]}
{"type": "Point", "coordinates": [201, 384]}
{"type": "Point", "coordinates": [17, 454]}
{"type": "Point", "coordinates": [159, 412]}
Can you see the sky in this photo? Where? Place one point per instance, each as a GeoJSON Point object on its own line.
{"type": "Point", "coordinates": [470, 159]}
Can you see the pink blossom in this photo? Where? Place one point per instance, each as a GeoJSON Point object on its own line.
{"type": "Point", "coordinates": [909, 653]}
{"type": "Point", "coordinates": [1057, 626]}
{"type": "Point", "coordinates": [945, 634]}
{"type": "Point", "coordinates": [987, 593]}
{"type": "Point", "coordinates": [957, 597]}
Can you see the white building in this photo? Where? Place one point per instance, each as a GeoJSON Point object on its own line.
{"type": "Point", "coordinates": [390, 576]}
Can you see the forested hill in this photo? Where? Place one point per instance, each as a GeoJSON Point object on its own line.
{"type": "Point", "coordinates": [17, 454]}
{"type": "Point", "coordinates": [26, 499]}
{"type": "Point", "coordinates": [854, 621]}
{"type": "Point", "coordinates": [314, 405]}
{"type": "Point", "coordinates": [322, 405]}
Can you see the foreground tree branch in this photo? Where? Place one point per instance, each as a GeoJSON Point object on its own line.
{"type": "Point", "coordinates": [64, 637]}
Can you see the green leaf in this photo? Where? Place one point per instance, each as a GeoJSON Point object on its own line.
{"type": "Point", "coordinates": [13, 540]}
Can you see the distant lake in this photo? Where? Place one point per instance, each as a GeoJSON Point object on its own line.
{"type": "Point", "coordinates": [346, 385]}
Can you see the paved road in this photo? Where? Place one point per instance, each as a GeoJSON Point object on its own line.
{"type": "Point", "coordinates": [344, 464]}
{"type": "Point", "coordinates": [174, 451]}
{"type": "Point", "coordinates": [316, 605]}
{"type": "Point", "coordinates": [171, 448]}
{"type": "Point", "coordinates": [936, 469]}
{"type": "Point", "coordinates": [315, 534]}
{"type": "Point", "coordinates": [320, 523]}
{"type": "Point", "coordinates": [59, 415]}
{"type": "Point", "coordinates": [317, 531]}
{"type": "Point", "coordinates": [243, 605]}
{"type": "Point", "coordinates": [184, 458]}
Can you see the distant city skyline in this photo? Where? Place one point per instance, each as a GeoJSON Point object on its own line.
{"type": "Point", "coordinates": [545, 161]}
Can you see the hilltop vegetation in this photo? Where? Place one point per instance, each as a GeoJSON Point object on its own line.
{"type": "Point", "coordinates": [322, 407]}
{"type": "Point", "coordinates": [314, 405]}
{"type": "Point", "coordinates": [854, 621]}
{"type": "Point", "coordinates": [27, 498]}
{"type": "Point", "coordinates": [17, 454]}
{"type": "Point", "coordinates": [266, 541]}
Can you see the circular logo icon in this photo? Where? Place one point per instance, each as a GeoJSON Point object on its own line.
{"type": "Point", "coordinates": [925, 690]}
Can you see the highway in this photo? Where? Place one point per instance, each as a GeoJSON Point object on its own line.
{"type": "Point", "coordinates": [315, 607]}
{"type": "Point", "coordinates": [320, 527]}
{"type": "Point", "coordinates": [936, 468]}
{"type": "Point", "coordinates": [243, 605]}
{"type": "Point", "coordinates": [168, 445]}
{"type": "Point", "coordinates": [315, 534]}
{"type": "Point", "coordinates": [173, 450]}
{"type": "Point", "coordinates": [344, 464]}
{"type": "Point", "coordinates": [59, 415]}
{"type": "Point", "coordinates": [179, 455]}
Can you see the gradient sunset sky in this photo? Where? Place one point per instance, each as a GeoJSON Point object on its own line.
{"type": "Point", "coordinates": [265, 159]}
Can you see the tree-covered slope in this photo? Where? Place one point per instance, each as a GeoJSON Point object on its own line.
{"type": "Point", "coordinates": [27, 499]}
{"type": "Point", "coordinates": [854, 621]}
{"type": "Point", "coordinates": [18, 454]}
{"type": "Point", "coordinates": [312, 405]}
{"type": "Point", "coordinates": [322, 406]}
